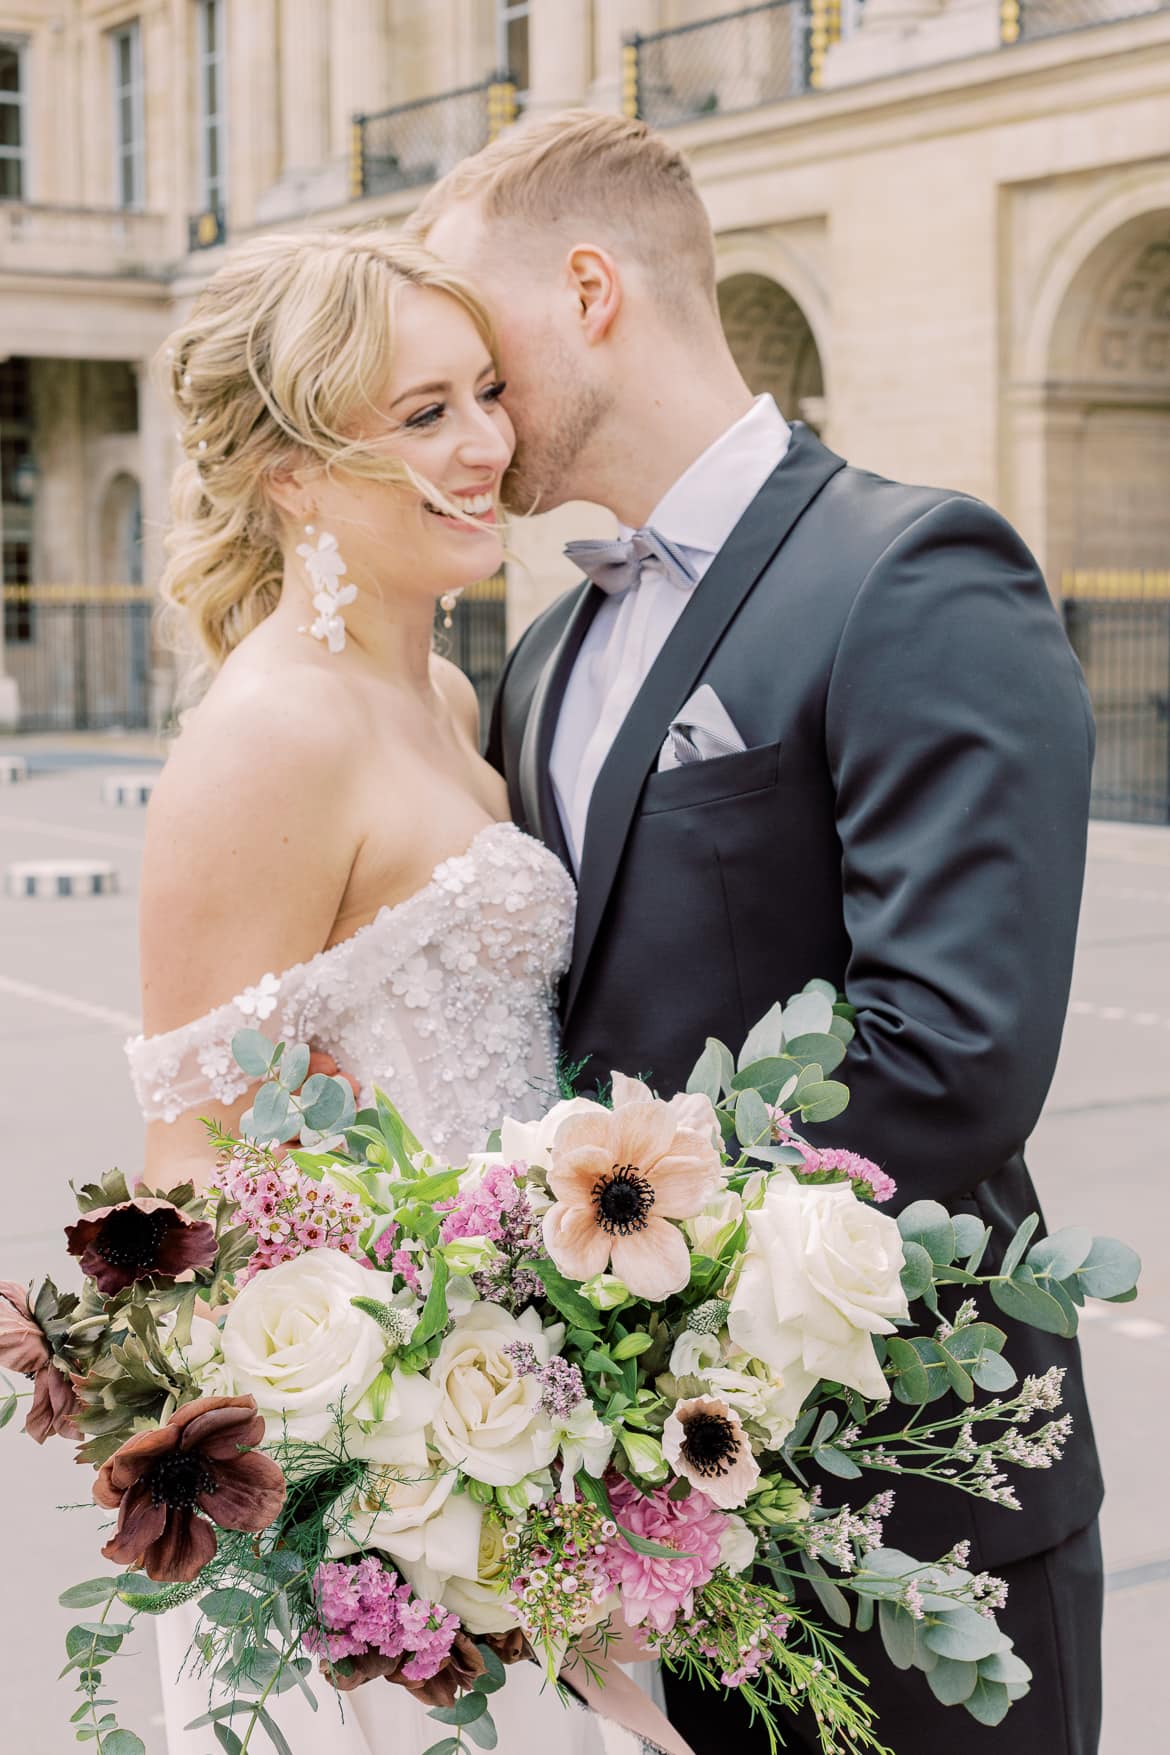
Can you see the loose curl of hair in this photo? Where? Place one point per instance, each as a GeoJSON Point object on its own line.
{"type": "Point", "coordinates": [277, 362]}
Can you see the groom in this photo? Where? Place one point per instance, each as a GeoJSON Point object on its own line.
{"type": "Point", "coordinates": [801, 722]}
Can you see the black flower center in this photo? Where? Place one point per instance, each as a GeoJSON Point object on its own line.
{"type": "Point", "coordinates": [710, 1445]}
{"type": "Point", "coordinates": [178, 1480]}
{"type": "Point", "coordinates": [622, 1201]}
{"type": "Point", "coordinates": [131, 1238]}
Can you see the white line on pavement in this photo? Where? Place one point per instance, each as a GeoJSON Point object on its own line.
{"type": "Point", "coordinates": [71, 834]}
{"type": "Point", "coordinates": [65, 1002]}
{"type": "Point", "coordinates": [1116, 1014]}
{"type": "Point", "coordinates": [1127, 893]}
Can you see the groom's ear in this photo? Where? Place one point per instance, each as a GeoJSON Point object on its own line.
{"type": "Point", "coordinates": [597, 287]}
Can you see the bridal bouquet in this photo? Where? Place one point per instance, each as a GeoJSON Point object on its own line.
{"type": "Point", "coordinates": [416, 1421]}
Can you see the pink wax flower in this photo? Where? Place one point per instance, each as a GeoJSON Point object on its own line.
{"type": "Point", "coordinates": [654, 1590]}
{"type": "Point", "coordinates": [288, 1213]}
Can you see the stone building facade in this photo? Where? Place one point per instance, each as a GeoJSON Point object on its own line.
{"type": "Point", "coordinates": [943, 231]}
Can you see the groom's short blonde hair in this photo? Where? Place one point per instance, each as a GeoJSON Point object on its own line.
{"type": "Point", "coordinates": [610, 174]}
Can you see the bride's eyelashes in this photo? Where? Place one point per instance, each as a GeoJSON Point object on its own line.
{"type": "Point", "coordinates": [434, 412]}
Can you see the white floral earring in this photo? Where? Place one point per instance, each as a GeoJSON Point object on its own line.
{"type": "Point", "coordinates": [325, 566]}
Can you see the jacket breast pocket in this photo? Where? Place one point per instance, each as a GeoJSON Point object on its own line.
{"type": "Point", "coordinates": [695, 783]}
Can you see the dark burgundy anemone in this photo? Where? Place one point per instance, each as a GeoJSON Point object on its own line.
{"type": "Point", "coordinates": [202, 1460]}
{"type": "Point", "coordinates": [442, 1689]}
{"type": "Point", "coordinates": [136, 1240]}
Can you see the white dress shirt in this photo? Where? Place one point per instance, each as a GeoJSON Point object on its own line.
{"type": "Point", "coordinates": [697, 515]}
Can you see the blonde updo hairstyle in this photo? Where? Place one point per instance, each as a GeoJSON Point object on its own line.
{"type": "Point", "coordinates": [281, 356]}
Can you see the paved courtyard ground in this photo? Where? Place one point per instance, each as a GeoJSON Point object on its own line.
{"type": "Point", "coordinates": [68, 997]}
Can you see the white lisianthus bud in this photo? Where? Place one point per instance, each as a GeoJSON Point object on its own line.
{"type": "Point", "coordinates": [645, 1457]}
{"type": "Point", "coordinates": [604, 1292]}
{"type": "Point", "coordinates": [711, 1230]}
{"type": "Point", "coordinates": [469, 1255]}
{"type": "Point", "coordinates": [693, 1354]}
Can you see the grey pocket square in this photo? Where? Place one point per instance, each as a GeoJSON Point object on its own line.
{"type": "Point", "coordinates": [701, 730]}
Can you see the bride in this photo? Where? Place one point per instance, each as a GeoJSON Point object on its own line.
{"type": "Point", "coordinates": [327, 855]}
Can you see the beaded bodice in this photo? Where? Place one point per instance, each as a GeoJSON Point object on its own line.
{"type": "Point", "coordinates": [445, 1001]}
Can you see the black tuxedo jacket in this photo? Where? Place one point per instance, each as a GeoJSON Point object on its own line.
{"type": "Point", "coordinates": [907, 821]}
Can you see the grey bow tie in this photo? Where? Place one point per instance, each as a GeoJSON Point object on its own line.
{"type": "Point", "coordinates": [617, 566]}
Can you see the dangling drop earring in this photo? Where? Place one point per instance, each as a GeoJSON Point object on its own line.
{"type": "Point", "coordinates": [325, 566]}
{"type": "Point", "coordinates": [447, 604]}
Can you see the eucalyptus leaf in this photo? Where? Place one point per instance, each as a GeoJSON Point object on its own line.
{"type": "Point", "coordinates": [951, 1680]}
{"type": "Point", "coordinates": [324, 1101]}
{"type": "Point", "coordinates": [831, 1598]}
{"type": "Point", "coordinates": [765, 1038]}
{"type": "Point", "coordinates": [820, 1048]}
{"type": "Point", "coordinates": [275, 1735]}
{"type": "Point", "coordinates": [89, 1594]}
{"type": "Point", "coordinates": [1111, 1269]}
{"type": "Point", "coordinates": [445, 1746]}
{"type": "Point", "coordinates": [294, 1068]}
{"type": "Point", "coordinates": [835, 1462]}
{"type": "Point", "coordinates": [823, 1101]}
{"type": "Point", "coordinates": [988, 1702]}
{"type": "Point", "coordinates": [483, 1731]}
{"type": "Point", "coordinates": [122, 1743]}
{"type": "Point", "coordinates": [896, 1626]}
{"type": "Point", "coordinates": [712, 1072]}
{"type": "Point", "coordinates": [808, 1014]}
{"type": "Point", "coordinates": [252, 1052]}
{"type": "Point", "coordinates": [1061, 1253]}
{"type": "Point", "coordinates": [912, 1383]}
{"type": "Point", "coordinates": [227, 1739]}
{"type": "Point", "coordinates": [962, 1632]}
{"type": "Point", "coordinates": [917, 1270]}
{"type": "Point", "coordinates": [753, 1123]}
{"type": "Point", "coordinates": [1022, 1298]}
{"type": "Point", "coordinates": [1004, 1666]}
{"type": "Point", "coordinates": [994, 1374]}
{"type": "Point", "coordinates": [270, 1112]}
{"type": "Point", "coordinates": [465, 1711]}
{"type": "Point", "coordinates": [771, 1077]}
{"type": "Point", "coordinates": [971, 1239]}
{"type": "Point", "coordinates": [1018, 1244]}
{"type": "Point", "coordinates": [928, 1223]}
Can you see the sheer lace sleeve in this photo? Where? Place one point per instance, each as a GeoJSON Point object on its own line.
{"type": "Point", "coordinates": [183, 1068]}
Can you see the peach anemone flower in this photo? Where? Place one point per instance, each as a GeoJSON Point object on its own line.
{"type": "Point", "coordinates": [619, 1177]}
{"type": "Point", "coordinates": [706, 1444]}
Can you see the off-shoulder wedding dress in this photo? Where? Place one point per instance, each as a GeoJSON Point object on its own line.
{"type": "Point", "coordinates": [446, 1002]}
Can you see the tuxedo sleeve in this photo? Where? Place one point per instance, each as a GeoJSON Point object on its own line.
{"type": "Point", "coordinates": [960, 741]}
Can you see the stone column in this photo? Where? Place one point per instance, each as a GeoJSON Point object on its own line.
{"type": "Point", "coordinates": [359, 65]}
{"type": "Point", "coordinates": [9, 693]}
{"type": "Point", "coordinates": [559, 55]}
{"type": "Point", "coordinates": [255, 145]}
{"type": "Point", "coordinates": [157, 451]}
{"type": "Point", "coordinates": [304, 84]}
{"type": "Point", "coordinates": [613, 21]}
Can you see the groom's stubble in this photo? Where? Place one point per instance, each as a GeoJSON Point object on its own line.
{"type": "Point", "coordinates": [559, 418]}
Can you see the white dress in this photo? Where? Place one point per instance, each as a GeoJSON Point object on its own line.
{"type": "Point", "coordinates": [446, 1002]}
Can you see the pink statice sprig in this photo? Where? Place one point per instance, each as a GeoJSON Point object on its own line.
{"type": "Point", "coordinates": [366, 1607]}
{"type": "Point", "coordinates": [832, 1163]}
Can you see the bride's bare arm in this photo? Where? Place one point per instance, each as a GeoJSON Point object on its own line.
{"type": "Point", "coordinates": [249, 846]}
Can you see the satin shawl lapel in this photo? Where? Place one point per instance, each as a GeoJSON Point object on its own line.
{"type": "Point", "coordinates": [731, 577]}
{"type": "Point", "coordinates": [541, 815]}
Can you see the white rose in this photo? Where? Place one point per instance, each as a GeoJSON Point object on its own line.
{"type": "Point", "coordinates": [531, 1142]}
{"type": "Point", "coordinates": [737, 1545]}
{"type": "Point", "coordinates": [714, 1226]}
{"type": "Point", "coordinates": [294, 1341]}
{"type": "Point", "coordinates": [458, 1560]}
{"type": "Point", "coordinates": [820, 1278]}
{"type": "Point", "coordinates": [488, 1421]}
{"type": "Point", "coordinates": [395, 1502]}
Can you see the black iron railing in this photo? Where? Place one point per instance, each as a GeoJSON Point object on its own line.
{"type": "Point", "coordinates": [1026, 20]}
{"type": "Point", "coordinates": [1119, 626]}
{"type": "Point", "coordinates": [719, 66]}
{"type": "Point", "coordinates": [477, 640]}
{"type": "Point", "coordinates": [81, 658]}
{"type": "Point", "coordinates": [417, 143]}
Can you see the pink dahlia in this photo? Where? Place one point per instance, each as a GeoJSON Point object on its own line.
{"type": "Point", "coordinates": [654, 1589]}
